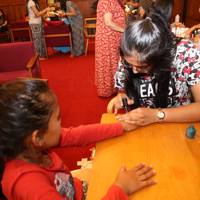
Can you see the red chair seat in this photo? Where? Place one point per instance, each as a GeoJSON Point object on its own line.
{"type": "Point", "coordinates": [6, 76]}
{"type": "Point", "coordinates": [53, 23]}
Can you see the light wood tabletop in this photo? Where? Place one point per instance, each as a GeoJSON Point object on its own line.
{"type": "Point", "coordinates": [175, 158]}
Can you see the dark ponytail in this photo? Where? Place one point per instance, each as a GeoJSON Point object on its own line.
{"type": "Point", "coordinates": [154, 42]}
{"type": "Point", "coordinates": [164, 58]}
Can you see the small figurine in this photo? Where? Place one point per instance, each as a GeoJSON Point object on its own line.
{"type": "Point", "coordinates": [191, 131]}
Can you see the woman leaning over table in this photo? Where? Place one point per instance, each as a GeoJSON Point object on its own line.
{"type": "Point", "coordinates": [75, 17]}
{"type": "Point", "coordinates": [160, 78]}
{"type": "Point", "coordinates": [109, 27]}
{"type": "Point", "coordinates": [35, 22]}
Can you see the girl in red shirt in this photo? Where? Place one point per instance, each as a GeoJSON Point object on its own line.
{"type": "Point", "coordinates": [30, 127]}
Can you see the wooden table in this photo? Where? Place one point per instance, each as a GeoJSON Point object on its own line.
{"type": "Point", "coordinates": [175, 158]}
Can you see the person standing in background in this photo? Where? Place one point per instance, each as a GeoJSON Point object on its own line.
{"type": "Point", "coordinates": [3, 22]}
{"type": "Point", "coordinates": [75, 18]}
{"type": "Point", "coordinates": [35, 22]}
{"type": "Point", "coordinates": [109, 27]}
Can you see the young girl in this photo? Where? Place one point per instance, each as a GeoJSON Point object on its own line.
{"type": "Point", "coordinates": [30, 127]}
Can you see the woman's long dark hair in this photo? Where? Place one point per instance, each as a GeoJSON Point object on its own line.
{"type": "Point", "coordinates": [63, 5]}
{"type": "Point", "coordinates": [164, 8]}
{"type": "Point", "coordinates": [36, 4]}
{"type": "Point", "coordinates": [152, 40]}
{"type": "Point", "coordinates": [25, 106]}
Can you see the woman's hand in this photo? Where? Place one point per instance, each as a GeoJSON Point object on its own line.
{"type": "Point", "coordinates": [135, 179]}
{"type": "Point", "coordinates": [139, 116]}
{"type": "Point", "coordinates": [116, 103]}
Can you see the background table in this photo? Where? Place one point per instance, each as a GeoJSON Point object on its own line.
{"type": "Point", "coordinates": [175, 158]}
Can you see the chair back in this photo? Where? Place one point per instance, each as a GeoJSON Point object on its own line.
{"type": "Point", "coordinates": [20, 31]}
{"type": "Point", "coordinates": [89, 30]}
{"type": "Point", "coordinates": [15, 55]}
{"type": "Point", "coordinates": [57, 34]}
{"type": "Point", "coordinates": [90, 27]}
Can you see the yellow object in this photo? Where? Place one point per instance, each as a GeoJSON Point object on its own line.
{"type": "Point", "coordinates": [175, 158]}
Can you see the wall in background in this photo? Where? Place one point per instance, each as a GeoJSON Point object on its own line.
{"type": "Point", "coordinates": [178, 9]}
{"type": "Point", "coordinates": [16, 9]}
{"type": "Point", "coordinates": [187, 9]}
{"type": "Point", "coordinates": [192, 16]}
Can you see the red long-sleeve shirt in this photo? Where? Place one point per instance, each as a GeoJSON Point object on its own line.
{"type": "Point", "coordinates": [28, 181]}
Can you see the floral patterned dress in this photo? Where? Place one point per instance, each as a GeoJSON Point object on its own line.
{"type": "Point", "coordinates": [107, 46]}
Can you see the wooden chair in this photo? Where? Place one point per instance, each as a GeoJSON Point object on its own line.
{"type": "Point", "coordinates": [5, 36]}
{"type": "Point", "coordinates": [89, 30]}
{"type": "Point", "coordinates": [20, 31]}
{"type": "Point", "coordinates": [18, 59]}
{"type": "Point", "coordinates": [57, 34]}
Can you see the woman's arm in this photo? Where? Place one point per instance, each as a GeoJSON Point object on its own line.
{"type": "Point", "coordinates": [39, 13]}
{"type": "Point", "coordinates": [109, 22]}
{"type": "Point", "coordinates": [146, 116]}
{"type": "Point", "coordinates": [186, 113]}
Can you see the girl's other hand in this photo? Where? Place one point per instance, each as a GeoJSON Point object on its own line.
{"type": "Point", "coordinates": [136, 178]}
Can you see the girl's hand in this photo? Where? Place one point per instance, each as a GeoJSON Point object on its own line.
{"type": "Point", "coordinates": [128, 126]}
{"type": "Point", "coordinates": [116, 103]}
{"type": "Point", "coordinates": [139, 116]}
{"type": "Point", "coordinates": [135, 179]}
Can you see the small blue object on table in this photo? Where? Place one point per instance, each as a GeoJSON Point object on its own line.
{"type": "Point", "coordinates": [190, 131]}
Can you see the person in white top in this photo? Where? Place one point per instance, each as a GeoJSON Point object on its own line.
{"type": "Point", "coordinates": [35, 22]}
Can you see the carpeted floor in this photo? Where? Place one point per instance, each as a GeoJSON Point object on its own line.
{"type": "Point", "coordinates": [72, 80]}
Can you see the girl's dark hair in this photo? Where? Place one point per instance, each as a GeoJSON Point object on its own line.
{"type": "Point", "coordinates": [152, 41]}
{"type": "Point", "coordinates": [25, 106]}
